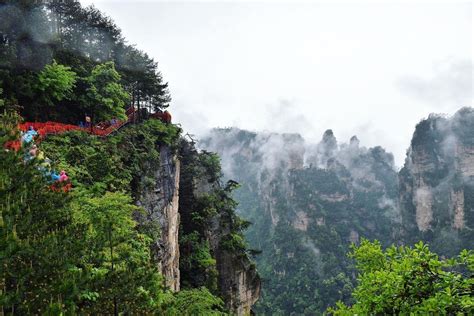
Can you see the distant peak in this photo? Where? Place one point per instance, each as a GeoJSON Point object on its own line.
{"type": "Point", "coordinates": [328, 133]}
{"type": "Point", "coordinates": [354, 142]}
{"type": "Point", "coordinates": [329, 138]}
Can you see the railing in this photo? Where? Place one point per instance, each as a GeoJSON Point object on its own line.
{"type": "Point", "coordinates": [102, 129]}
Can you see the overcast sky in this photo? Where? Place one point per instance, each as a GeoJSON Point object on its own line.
{"type": "Point", "coordinates": [367, 68]}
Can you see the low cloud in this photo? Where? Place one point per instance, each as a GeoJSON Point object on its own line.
{"type": "Point", "coordinates": [450, 86]}
{"type": "Point", "coordinates": [286, 117]}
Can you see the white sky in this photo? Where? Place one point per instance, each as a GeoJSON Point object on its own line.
{"type": "Point", "coordinates": [373, 69]}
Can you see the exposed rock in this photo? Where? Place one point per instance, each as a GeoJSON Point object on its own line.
{"type": "Point", "coordinates": [161, 203]}
{"type": "Point", "coordinates": [354, 142]}
{"type": "Point", "coordinates": [238, 282]}
{"type": "Point", "coordinates": [457, 205]}
{"type": "Point", "coordinates": [354, 237]}
{"type": "Point", "coordinates": [320, 221]}
{"type": "Point", "coordinates": [424, 212]}
{"type": "Point", "coordinates": [436, 181]}
{"type": "Point", "coordinates": [326, 149]}
{"type": "Point", "coordinates": [301, 221]}
{"type": "Point", "coordinates": [465, 159]}
{"type": "Point", "coordinates": [336, 197]}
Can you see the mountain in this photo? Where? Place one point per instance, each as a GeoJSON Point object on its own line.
{"type": "Point", "coordinates": [437, 183]}
{"type": "Point", "coordinates": [309, 202]}
{"type": "Point", "coordinates": [122, 215]}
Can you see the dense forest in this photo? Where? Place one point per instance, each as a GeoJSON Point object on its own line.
{"type": "Point", "coordinates": [109, 208]}
{"type": "Point", "coordinates": [312, 206]}
{"type": "Point", "coordinates": [103, 239]}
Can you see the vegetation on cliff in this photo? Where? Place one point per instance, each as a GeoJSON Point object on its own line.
{"type": "Point", "coordinates": [83, 250]}
{"type": "Point", "coordinates": [215, 253]}
{"type": "Point", "coordinates": [306, 216]}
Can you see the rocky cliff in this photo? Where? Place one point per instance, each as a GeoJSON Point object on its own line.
{"type": "Point", "coordinates": [188, 209]}
{"type": "Point", "coordinates": [307, 203]}
{"type": "Point", "coordinates": [437, 182]}
{"type": "Point", "coordinates": [211, 234]}
{"type": "Point", "coordinates": [160, 199]}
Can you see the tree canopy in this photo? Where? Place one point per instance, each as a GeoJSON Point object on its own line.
{"type": "Point", "coordinates": [43, 44]}
{"type": "Point", "coordinates": [405, 280]}
{"type": "Point", "coordinates": [55, 83]}
{"type": "Point", "coordinates": [105, 95]}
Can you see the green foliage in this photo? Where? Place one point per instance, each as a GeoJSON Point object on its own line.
{"type": "Point", "coordinates": [195, 302]}
{"type": "Point", "coordinates": [36, 34]}
{"type": "Point", "coordinates": [105, 95]}
{"type": "Point", "coordinates": [211, 164]}
{"type": "Point", "coordinates": [303, 219]}
{"type": "Point", "coordinates": [82, 252]}
{"type": "Point", "coordinates": [93, 163]}
{"type": "Point", "coordinates": [198, 259]}
{"type": "Point", "coordinates": [2, 101]}
{"type": "Point", "coordinates": [55, 83]}
{"type": "Point", "coordinates": [210, 228]}
{"type": "Point", "coordinates": [234, 242]}
{"type": "Point", "coordinates": [201, 254]}
{"type": "Point", "coordinates": [407, 280]}
{"type": "Point", "coordinates": [33, 230]}
{"type": "Point", "coordinates": [116, 271]}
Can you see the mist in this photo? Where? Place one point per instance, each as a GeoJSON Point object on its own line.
{"type": "Point", "coordinates": [372, 69]}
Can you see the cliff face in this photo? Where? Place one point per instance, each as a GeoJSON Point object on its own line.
{"type": "Point", "coordinates": [437, 182]}
{"type": "Point", "coordinates": [160, 199]}
{"type": "Point", "coordinates": [239, 282]}
{"type": "Point", "coordinates": [211, 228]}
{"type": "Point", "coordinates": [307, 204]}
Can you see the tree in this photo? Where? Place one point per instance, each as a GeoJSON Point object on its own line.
{"type": "Point", "coordinates": [142, 79]}
{"type": "Point", "coordinates": [106, 97]}
{"type": "Point", "coordinates": [405, 280]}
{"type": "Point", "coordinates": [34, 232]}
{"type": "Point", "coordinates": [196, 302]}
{"type": "Point", "coordinates": [117, 272]}
{"type": "Point", "coordinates": [55, 83]}
{"type": "Point", "coordinates": [76, 252]}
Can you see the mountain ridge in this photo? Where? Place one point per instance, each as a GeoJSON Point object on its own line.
{"type": "Point", "coordinates": [335, 194]}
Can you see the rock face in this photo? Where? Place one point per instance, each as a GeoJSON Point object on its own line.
{"type": "Point", "coordinates": [305, 215]}
{"type": "Point", "coordinates": [423, 201]}
{"type": "Point", "coordinates": [235, 277]}
{"type": "Point", "coordinates": [457, 205]}
{"type": "Point", "coordinates": [436, 182]}
{"type": "Point", "coordinates": [307, 204]}
{"type": "Point", "coordinates": [160, 199]}
{"type": "Point", "coordinates": [238, 281]}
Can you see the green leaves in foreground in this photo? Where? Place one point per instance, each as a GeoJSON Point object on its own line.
{"type": "Point", "coordinates": [407, 280]}
{"type": "Point", "coordinates": [81, 252]}
{"type": "Point", "coordinates": [196, 302]}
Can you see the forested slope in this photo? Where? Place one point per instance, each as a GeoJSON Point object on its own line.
{"type": "Point", "coordinates": [141, 221]}
{"type": "Point", "coordinates": [309, 202]}
{"type": "Point", "coordinates": [138, 221]}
